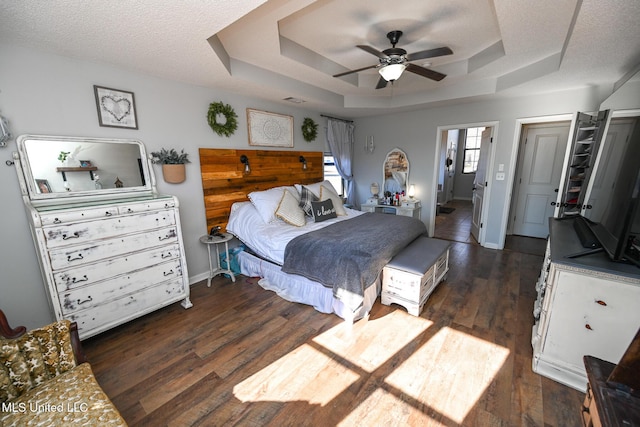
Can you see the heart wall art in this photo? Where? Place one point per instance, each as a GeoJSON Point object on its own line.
{"type": "Point", "coordinates": [116, 108]}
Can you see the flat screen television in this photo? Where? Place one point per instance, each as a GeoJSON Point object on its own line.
{"type": "Point", "coordinates": [614, 212]}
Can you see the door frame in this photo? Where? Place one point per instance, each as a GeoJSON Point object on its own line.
{"type": "Point", "coordinates": [436, 164]}
{"type": "Point", "coordinates": [517, 141]}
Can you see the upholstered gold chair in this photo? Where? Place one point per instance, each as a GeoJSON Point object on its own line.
{"type": "Point", "coordinates": [46, 380]}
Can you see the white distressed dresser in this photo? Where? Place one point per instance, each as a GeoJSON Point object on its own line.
{"type": "Point", "coordinates": [586, 306]}
{"type": "Point", "coordinates": [109, 246]}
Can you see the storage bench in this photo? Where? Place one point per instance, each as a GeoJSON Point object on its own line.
{"type": "Point", "coordinates": [412, 275]}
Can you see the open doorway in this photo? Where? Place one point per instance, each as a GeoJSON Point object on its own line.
{"type": "Point", "coordinates": [459, 194]}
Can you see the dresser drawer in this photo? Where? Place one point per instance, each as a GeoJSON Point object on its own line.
{"type": "Point", "coordinates": [75, 215]}
{"type": "Point", "coordinates": [90, 273]}
{"type": "Point", "coordinates": [71, 234]}
{"type": "Point", "coordinates": [118, 311]}
{"type": "Point", "coordinates": [62, 258]}
{"type": "Point", "coordinates": [146, 206]}
{"type": "Point", "coordinates": [115, 287]}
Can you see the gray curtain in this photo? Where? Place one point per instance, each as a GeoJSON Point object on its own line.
{"type": "Point", "coordinates": [340, 138]}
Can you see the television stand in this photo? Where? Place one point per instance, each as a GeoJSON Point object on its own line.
{"type": "Point", "coordinates": [585, 306]}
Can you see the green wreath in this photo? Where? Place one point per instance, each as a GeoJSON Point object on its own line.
{"type": "Point", "coordinates": [231, 123]}
{"type": "Point", "coordinates": [309, 129]}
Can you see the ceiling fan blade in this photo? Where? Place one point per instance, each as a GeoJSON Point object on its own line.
{"type": "Point", "coordinates": [429, 53]}
{"type": "Point", "coordinates": [425, 72]}
{"type": "Point", "coordinates": [382, 83]}
{"type": "Point", "coordinates": [355, 71]}
{"type": "Point", "coordinates": [373, 51]}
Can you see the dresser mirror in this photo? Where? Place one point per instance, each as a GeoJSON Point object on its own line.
{"type": "Point", "coordinates": [395, 172]}
{"type": "Point", "coordinates": [66, 167]}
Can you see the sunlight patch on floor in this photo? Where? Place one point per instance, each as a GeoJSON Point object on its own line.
{"type": "Point", "coordinates": [454, 361]}
{"type": "Point", "coordinates": [389, 411]}
{"type": "Point", "coordinates": [371, 343]}
{"type": "Point", "coordinates": [304, 374]}
{"type": "Point", "coordinates": [319, 375]}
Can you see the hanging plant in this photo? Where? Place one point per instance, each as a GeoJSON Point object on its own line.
{"type": "Point", "coordinates": [230, 124]}
{"type": "Point", "coordinates": [309, 129]}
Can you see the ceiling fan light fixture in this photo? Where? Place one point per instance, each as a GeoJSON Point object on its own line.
{"type": "Point", "coordinates": [392, 72]}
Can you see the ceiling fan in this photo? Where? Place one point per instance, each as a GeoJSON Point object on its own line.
{"type": "Point", "coordinates": [394, 61]}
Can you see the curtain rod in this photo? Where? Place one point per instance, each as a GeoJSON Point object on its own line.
{"type": "Point", "coordinates": [335, 118]}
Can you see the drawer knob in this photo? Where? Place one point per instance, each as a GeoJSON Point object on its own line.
{"type": "Point", "coordinates": [89, 299]}
{"type": "Point", "coordinates": [57, 221]}
{"type": "Point", "coordinates": [168, 273]}
{"type": "Point", "coordinates": [107, 213]}
{"type": "Point", "coordinates": [167, 255]}
{"type": "Point", "coordinates": [602, 303]}
{"type": "Point", "coordinates": [83, 279]}
{"type": "Point", "coordinates": [70, 258]}
{"type": "Point", "coordinates": [73, 236]}
{"type": "Point", "coordinates": [169, 235]}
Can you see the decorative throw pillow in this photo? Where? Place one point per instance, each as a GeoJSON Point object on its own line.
{"type": "Point", "coordinates": [289, 211]}
{"type": "Point", "coordinates": [306, 197]}
{"type": "Point", "coordinates": [323, 210]}
{"type": "Point", "coordinates": [315, 187]}
{"type": "Point", "coordinates": [267, 201]}
{"type": "Point", "coordinates": [328, 194]}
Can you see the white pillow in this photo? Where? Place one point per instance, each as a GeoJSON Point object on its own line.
{"type": "Point", "coordinates": [266, 202]}
{"type": "Point", "coordinates": [330, 194]}
{"type": "Point", "coordinates": [289, 211]}
{"type": "Point", "coordinates": [315, 187]}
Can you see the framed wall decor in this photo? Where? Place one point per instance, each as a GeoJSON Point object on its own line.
{"type": "Point", "coordinates": [116, 108]}
{"type": "Point", "coordinates": [269, 129]}
{"type": "Point", "coordinates": [43, 186]}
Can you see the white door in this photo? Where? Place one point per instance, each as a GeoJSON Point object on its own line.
{"type": "Point", "coordinates": [539, 172]}
{"type": "Point", "coordinates": [479, 184]}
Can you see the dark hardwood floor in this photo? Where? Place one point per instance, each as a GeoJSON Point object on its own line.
{"type": "Point", "coordinates": [243, 356]}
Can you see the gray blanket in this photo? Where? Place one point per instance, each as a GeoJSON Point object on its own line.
{"type": "Point", "coordinates": [349, 255]}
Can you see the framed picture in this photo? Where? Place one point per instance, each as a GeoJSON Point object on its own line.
{"type": "Point", "coordinates": [85, 163]}
{"type": "Point", "coordinates": [269, 129]}
{"type": "Point", "coordinates": [43, 186]}
{"type": "Point", "coordinates": [116, 108]}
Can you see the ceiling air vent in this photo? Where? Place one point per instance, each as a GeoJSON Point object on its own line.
{"type": "Point", "coordinates": [294, 100]}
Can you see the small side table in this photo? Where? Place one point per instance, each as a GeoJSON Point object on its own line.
{"type": "Point", "coordinates": [216, 241]}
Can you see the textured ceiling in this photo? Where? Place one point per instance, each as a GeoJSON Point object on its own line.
{"type": "Point", "coordinates": [279, 49]}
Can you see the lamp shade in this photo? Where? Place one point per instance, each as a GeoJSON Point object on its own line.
{"type": "Point", "coordinates": [412, 190]}
{"type": "Point", "coordinates": [392, 72]}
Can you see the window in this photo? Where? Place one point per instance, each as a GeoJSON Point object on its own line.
{"type": "Point", "coordinates": [472, 149]}
{"type": "Point", "coordinates": [331, 173]}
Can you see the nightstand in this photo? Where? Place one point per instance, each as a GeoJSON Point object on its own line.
{"type": "Point", "coordinates": [216, 241]}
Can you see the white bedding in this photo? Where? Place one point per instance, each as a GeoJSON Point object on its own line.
{"type": "Point", "coordinates": [269, 240]}
{"type": "Point", "coordinates": [302, 290]}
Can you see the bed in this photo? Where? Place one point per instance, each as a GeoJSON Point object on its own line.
{"type": "Point", "coordinates": [332, 264]}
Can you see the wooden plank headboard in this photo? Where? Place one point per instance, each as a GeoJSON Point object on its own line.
{"type": "Point", "coordinates": [224, 183]}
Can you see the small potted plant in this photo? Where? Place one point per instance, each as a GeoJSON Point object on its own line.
{"type": "Point", "coordinates": [173, 169]}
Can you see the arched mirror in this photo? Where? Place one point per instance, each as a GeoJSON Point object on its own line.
{"type": "Point", "coordinates": [395, 172]}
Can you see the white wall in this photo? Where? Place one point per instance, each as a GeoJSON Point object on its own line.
{"type": "Point", "coordinates": [416, 133]}
{"type": "Point", "coordinates": [42, 93]}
